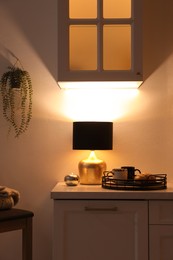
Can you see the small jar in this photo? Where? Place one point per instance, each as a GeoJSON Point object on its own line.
{"type": "Point", "coordinates": [71, 179]}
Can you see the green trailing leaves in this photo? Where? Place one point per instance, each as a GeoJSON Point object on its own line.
{"type": "Point", "coordinates": [16, 90]}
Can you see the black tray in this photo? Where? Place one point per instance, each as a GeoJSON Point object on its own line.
{"type": "Point", "coordinates": [159, 182]}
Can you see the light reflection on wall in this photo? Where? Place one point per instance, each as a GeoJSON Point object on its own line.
{"type": "Point", "coordinates": [96, 105]}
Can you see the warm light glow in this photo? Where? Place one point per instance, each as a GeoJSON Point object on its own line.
{"type": "Point", "coordinates": [117, 8]}
{"type": "Point", "coordinates": [92, 158]}
{"type": "Point", "coordinates": [97, 105]}
{"type": "Point", "coordinates": [99, 85]}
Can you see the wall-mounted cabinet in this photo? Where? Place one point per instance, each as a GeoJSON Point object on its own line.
{"type": "Point", "coordinates": [99, 41]}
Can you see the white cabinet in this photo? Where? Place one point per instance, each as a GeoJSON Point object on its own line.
{"type": "Point", "coordinates": [92, 223]}
{"type": "Point", "coordinates": [161, 230]}
{"type": "Point", "coordinates": [100, 229]}
{"type": "Point", "coordinates": [98, 41]}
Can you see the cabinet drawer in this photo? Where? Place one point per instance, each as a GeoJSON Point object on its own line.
{"type": "Point", "coordinates": [161, 212]}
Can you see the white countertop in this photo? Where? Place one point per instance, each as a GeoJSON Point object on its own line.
{"type": "Point", "coordinates": [62, 191]}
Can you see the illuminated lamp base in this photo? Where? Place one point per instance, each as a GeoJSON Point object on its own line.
{"type": "Point", "coordinates": [91, 170]}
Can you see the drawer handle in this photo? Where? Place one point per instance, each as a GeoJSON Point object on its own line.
{"type": "Point", "coordinates": [101, 209]}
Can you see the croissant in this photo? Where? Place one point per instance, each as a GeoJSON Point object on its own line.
{"type": "Point", "coordinates": [145, 176]}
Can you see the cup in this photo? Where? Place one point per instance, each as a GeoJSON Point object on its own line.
{"type": "Point", "coordinates": [130, 171]}
{"type": "Point", "coordinates": [119, 173]}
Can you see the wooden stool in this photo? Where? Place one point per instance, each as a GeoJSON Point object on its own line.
{"type": "Point", "coordinates": [14, 219]}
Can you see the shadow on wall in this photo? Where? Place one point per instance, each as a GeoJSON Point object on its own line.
{"type": "Point", "coordinates": [38, 22]}
{"type": "Point", "coordinates": [4, 59]}
{"type": "Point", "coordinates": [157, 34]}
{"type": "Point", "coordinates": [7, 58]}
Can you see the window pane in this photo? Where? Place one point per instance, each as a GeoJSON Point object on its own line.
{"type": "Point", "coordinates": [82, 8]}
{"type": "Point", "coordinates": [83, 47]}
{"type": "Point", "coordinates": [116, 8]}
{"type": "Point", "coordinates": [117, 47]}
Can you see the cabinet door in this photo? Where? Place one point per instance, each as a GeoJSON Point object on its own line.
{"type": "Point", "coordinates": [161, 242]}
{"type": "Point", "coordinates": [99, 40]}
{"type": "Point", "coordinates": [99, 230]}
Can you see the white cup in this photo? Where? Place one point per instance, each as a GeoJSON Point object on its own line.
{"type": "Point", "coordinates": [120, 174]}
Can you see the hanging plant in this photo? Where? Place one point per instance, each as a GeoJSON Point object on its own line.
{"type": "Point", "coordinates": [16, 91]}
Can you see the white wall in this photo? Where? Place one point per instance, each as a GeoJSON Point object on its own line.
{"type": "Point", "coordinates": [143, 121]}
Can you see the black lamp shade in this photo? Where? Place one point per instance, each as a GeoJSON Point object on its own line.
{"type": "Point", "coordinates": [92, 135]}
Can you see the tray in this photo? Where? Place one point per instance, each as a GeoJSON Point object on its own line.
{"type": "Point", "coordinates": [158, 183]}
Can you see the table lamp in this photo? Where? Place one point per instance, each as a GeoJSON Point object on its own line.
{"type": "Point", "coordinates": [92, 136]}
